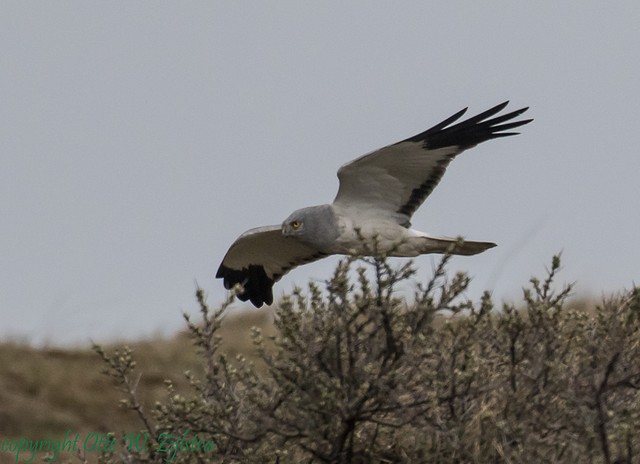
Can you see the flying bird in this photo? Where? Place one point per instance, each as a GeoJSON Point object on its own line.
{"type": "Point", "coordinates": [378, 194]}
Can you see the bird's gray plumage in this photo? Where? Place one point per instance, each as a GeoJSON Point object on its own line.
{"type": "Point", "coordinates": [378, 194]}
{"type": "Point", "coordinates": [318, 226]}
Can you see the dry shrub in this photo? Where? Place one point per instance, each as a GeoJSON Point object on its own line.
{"type": "Point", "coordinates": [358, 375]}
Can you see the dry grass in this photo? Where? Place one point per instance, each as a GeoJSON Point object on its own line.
{"type": "Point", "coordinates": [357, 375]}
{"type": "Point", "coordinates": [44, 392]}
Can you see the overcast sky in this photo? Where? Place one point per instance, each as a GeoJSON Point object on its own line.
{"type": "Point", "coordinates": [139, 139]}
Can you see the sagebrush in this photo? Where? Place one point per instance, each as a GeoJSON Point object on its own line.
{"type": "Point", "coordinates": [357, 374]}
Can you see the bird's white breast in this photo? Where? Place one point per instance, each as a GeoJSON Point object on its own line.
{"type": "Point", "coordinates": [362, 235]}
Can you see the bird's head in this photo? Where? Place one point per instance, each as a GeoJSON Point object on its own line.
{"type": "Point", "coordinates": [297, 224]}
{"type": "Point", "coordinates": [314, 226]}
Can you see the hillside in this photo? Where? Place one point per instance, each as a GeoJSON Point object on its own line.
{"type": "Point", "coordinates": [46, 392]}
{"type": "Point", "coordinates": [352, 373]}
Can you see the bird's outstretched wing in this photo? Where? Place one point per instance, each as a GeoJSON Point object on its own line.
{"type": "Point", "coordinates": [392, 182]}
{"type": "Point", "coordinates": [259, 258]}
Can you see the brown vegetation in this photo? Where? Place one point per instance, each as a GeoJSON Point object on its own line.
{"type": "Point", "coordinates": [45, 392]}
{"type": "Point", "coordinates": [354, 374]}
{"type": "Point", "coordinates": [357, 375]}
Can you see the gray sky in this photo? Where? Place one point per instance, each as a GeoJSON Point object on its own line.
{"type": "Point", "coordinates": [138, 139]}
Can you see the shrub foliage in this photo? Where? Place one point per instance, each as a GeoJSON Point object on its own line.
{"type": "Point", "coordinates": [356, 374]}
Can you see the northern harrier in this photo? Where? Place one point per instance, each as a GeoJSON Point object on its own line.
{"type": "Point", "coordinates": [378, 194]}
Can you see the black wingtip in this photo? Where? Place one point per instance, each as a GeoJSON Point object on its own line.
{"type": "Point", "coordinates": [222, 270]}
{"type": "Point", "coordinates": [257, 286]}
{"type": "Point", "coordinates": [499, 107]}
{"type": "Point", "coordinates": [470, 132]}
{"type": "Point", "coordinates": [441, 125]}
{"type": "Point", "coordinates": [474, 130]}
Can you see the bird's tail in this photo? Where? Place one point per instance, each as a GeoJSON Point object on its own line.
{"type": "Point", "coordinates": [455, 246]}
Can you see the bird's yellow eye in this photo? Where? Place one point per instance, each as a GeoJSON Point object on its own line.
{"type": "Point", "coordinates": [296, 224]}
